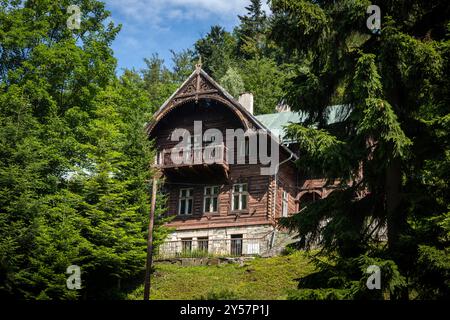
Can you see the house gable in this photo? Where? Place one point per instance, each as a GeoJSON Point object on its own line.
{"type": "Point", "coordinates": [200, 85]}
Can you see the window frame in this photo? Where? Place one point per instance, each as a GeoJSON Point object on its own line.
{"type": "Point", "coordinates": [211, 196]}
{"type": "Point", "coordinates": [201, 241]}
{"type": "Point", "coordinates": [186, 199]}
{"type": "Point", "coordinates": [184, 244]}
{"type": "Point", "coordinates": [158, 158]}
{"type": "Point", "coordinates": [240, 195]}
{"type": "Point", "coordinates": [244, 149]}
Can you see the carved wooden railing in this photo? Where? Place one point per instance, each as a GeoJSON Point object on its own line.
{"type": "Point", "coordinates": [179, 157]}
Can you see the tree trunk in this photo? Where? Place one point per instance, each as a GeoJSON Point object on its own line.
{"type": "Point", "coordinates": [393, 181]}
{"type": "Point", "coordinates": [396, 218]}
{"type": "Point", "coordinates": [149, 263]}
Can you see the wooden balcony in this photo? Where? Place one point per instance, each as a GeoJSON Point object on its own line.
{"type": "Point", "coordinates": [199, 163]}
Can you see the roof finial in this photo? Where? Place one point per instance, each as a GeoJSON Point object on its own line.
{"type": "Point", "coordinates": [198, 66]}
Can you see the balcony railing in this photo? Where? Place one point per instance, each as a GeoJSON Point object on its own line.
{"type": "Point", "coordinates": [179, 157]}
{"type": "Point", "coordinates": [213, 248]}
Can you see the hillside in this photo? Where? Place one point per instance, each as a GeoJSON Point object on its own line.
{"type": "Point", "coordinates": [260, 279]}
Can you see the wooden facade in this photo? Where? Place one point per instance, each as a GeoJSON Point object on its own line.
{"type": "Point", "coordinates": [203, 197]}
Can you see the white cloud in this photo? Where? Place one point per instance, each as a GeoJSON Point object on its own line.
{"type": "Point", "coordinates": [158, 12]}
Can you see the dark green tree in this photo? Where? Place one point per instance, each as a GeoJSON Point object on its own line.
{"type": "Point", "coordinates": [391, 86]}
{"type": "Point", "coordinates": [217, 51]}
{"type": "Point", "coordinates": [251, 32]}
{"type": "Point", "coordinates": [116, 189]}
{"type": "Point", "coordinates": [49, 77]}
{"type": "Point", "coordinates": [158, 81]}
{"type": "Point", "coordinates": [74, 161]}
{"type": "Point", "coordinates": [184, 64]}
{"type": "Point", "coordinates": [265, 79]}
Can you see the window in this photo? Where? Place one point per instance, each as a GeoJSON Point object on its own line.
{"type": "Point", "coordinates": [253, 248]}
{"type": "Point", "coordinates": [240, 197]}
{"type": "Point", "coordinates": [210, 148]}
{"type": "Point", "coordinates": [196, 152]}
{"type": "Point", "coordinates": [284, 207]}
{"type": "Point", "coordinates": [202, 243]}
{"type": "Point", "coordinates": [244, 148]}
{"type": "Point", "coordinates": [210, 197]}
{"type": "Point", "coordinates": [185, 202]}
{"type": "Point", "coordinates": [158, 158]}
{"type": "Point", "coordinates": [307, 198]}
{"type": "Point", "coordinates": [186, 245]}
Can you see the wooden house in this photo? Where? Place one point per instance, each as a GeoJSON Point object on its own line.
{"type": "Point", "coordinates": [225, 207]}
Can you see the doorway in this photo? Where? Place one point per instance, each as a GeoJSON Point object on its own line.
{"type": "Point", "coordinates": [236, 245]}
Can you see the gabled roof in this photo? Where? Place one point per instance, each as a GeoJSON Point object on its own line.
{"type": "Point", "coordinates": [200, 85]}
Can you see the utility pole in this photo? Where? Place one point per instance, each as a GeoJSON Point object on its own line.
{"type": "Point", "coordinates": [150, 241]}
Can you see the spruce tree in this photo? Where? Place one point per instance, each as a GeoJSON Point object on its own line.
{"type": "Point", "coordinates": [217, 50]}
{"type": "Point", "coordinates": [252, 29]}
{"type": "Point", "coordinates": [392, 88]}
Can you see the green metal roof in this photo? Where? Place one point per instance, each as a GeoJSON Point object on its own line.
{"type": "Point", "coordinates": [276, 122]}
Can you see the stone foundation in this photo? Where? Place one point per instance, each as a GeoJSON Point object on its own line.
{"type": "Point", "coordinates": [220, 242]}
{"type": "Point", "coordinates": [221, 233]}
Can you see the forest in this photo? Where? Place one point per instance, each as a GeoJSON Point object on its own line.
{"type": "Point", "coordinates": [75, 162]}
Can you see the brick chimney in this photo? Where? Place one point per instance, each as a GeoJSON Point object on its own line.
{"type": "Point", "coordinates": [246, 100]}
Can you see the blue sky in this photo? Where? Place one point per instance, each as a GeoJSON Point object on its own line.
{"type": "Point", "coordinates": [156, 26]}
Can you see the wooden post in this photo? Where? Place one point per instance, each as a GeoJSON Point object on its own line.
{"type": "Point", "coordinates": [150, 242]}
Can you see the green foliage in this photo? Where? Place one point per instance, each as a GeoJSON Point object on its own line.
{"type": "Point", "coordinates": [252, 30]}
{"type": "Point", "coordinates": [74, 157]}
{"type": "Point", "coordinates": [346, 279]}
{"type": "Point", "coordinates": [288, 250]}
{"type": "Point", "coordinates": [184, 64]}
{"type": "Point", "coordinates": [433, 272]}
{"type": "Point", "coordinates": [158, 81]}
{"type": "Point", "coordinates": [388, 157]}
{"type": "Point", "coordinates": [225, 294]}
{"type": "Point", "coordinates": [245, 60]}
{"type": "Point", "coordinates": [258, 279]}
{"type": "Point", "coordinates": [216, 50]}
{"type": "Point", "coordinates": [324, 151]}
{"type": "Point", "coordinates": [264, 78]}
{"type": "Point", "coordinates": [232, 82]}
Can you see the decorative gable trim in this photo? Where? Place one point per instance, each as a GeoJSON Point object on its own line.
{"type": "Point", "coordinates": [200, 85]}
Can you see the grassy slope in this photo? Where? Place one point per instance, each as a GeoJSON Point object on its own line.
{"type": "Point", "coordinates": [262, 278]}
